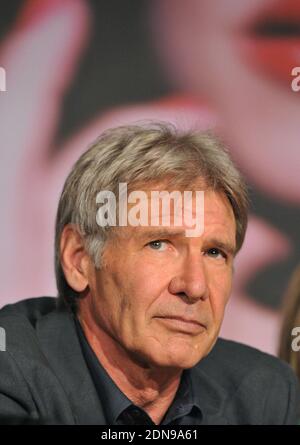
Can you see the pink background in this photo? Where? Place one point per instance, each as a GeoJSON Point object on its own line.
{"type": "Point", "coordinates": [76, 67]}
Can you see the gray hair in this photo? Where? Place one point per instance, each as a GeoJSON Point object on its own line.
{"type": "Point", "coordinates": [138, 154]}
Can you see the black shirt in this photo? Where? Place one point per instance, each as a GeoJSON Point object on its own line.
{"type": "Point", "coordinates": [119, 410]}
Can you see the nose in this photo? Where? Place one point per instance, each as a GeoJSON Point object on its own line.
{"type": "Point", "coordinates": [191, 282]}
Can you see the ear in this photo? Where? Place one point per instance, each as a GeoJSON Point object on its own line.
{"type": "Point", "coordinates": [75, 261]}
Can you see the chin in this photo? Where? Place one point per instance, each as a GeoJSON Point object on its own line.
{"type": "Point", "coordinates": [180, 363]}
{"type": "Point", "coordinates": [180, 358]}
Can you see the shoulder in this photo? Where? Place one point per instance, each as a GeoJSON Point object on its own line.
{"type": "Point", "coordinates": [30, 390]}
{"type": "Point", "coordinates": [241, 359]}
{"type": "Point", "coordinates": [233, 363]}
{"type": "Point", "coordinates": [19, 346]}
{"type": "Point", "coordinates": [30, 309]}
{"type": "Point", "coordinates": [22, 318]}
{"type": "Point", "coordinates": [21, 323]}
{"type": "Point", "coordinates": [260, 384]}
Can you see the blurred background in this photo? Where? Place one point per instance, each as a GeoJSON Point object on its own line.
{"type": "Point", "coordinates": [76, 67]}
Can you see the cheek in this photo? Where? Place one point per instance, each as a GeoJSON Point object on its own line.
{"type": "Point", "coordinates": [220, 290]}
{"type": "Point", "coordinates": [141, 283]}
{"type": "Point", "coordinates": [149, 273]}
{"type": "Point", "coordinates": [147, 283]}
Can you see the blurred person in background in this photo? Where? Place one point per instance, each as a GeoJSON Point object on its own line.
{"type": "Point", "coordinates": [289, 348]}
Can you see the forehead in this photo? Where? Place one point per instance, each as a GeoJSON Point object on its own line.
{"type": "Point", "coordinates": [215, 202]}
{"type": "Point", "coordinates": [217, 214]}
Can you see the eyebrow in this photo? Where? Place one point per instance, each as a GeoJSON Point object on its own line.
{"type": "Point", "coordinates": [160, 233]}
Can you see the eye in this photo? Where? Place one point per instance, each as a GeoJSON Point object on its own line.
{"type": "Point", "coordinates": [158, 245]}
{"type": "Point", "coordinates": [216, 253]}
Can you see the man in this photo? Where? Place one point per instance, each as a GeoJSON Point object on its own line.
{"type": "Point", "coordinates": [143, 283]}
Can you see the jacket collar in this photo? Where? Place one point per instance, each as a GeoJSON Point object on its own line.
{"type": "Point", "coordinates": [61, 347]}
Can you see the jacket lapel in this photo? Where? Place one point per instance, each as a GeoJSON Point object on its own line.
{"type": "Point", "coordinates": [59, 342]}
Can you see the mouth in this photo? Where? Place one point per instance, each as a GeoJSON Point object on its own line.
{"type": "Point", "coordinates": [272, 40]}
{"type": "Point", "coordinates": [180, 324]}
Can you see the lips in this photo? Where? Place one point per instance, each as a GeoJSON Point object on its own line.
{"type": "Point", "coordinates": [272, 40]}
{"type": "Point", "coordinates": [182, 324]}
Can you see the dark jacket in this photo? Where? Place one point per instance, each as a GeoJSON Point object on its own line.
{"type": "Point", "coordinates": [44, 377]}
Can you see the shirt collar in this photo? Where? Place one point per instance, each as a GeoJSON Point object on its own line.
{"type": "Point", "coordinates": [185, 399]}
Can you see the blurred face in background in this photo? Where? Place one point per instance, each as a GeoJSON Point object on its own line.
{"type": "Point", "coordinates": [238, 55]}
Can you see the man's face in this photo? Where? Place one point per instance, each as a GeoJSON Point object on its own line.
{"type": "Point", "coordinates": [161, 295]}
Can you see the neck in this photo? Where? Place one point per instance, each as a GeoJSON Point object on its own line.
{"type": "Point", "coordinates": [151, 388]}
